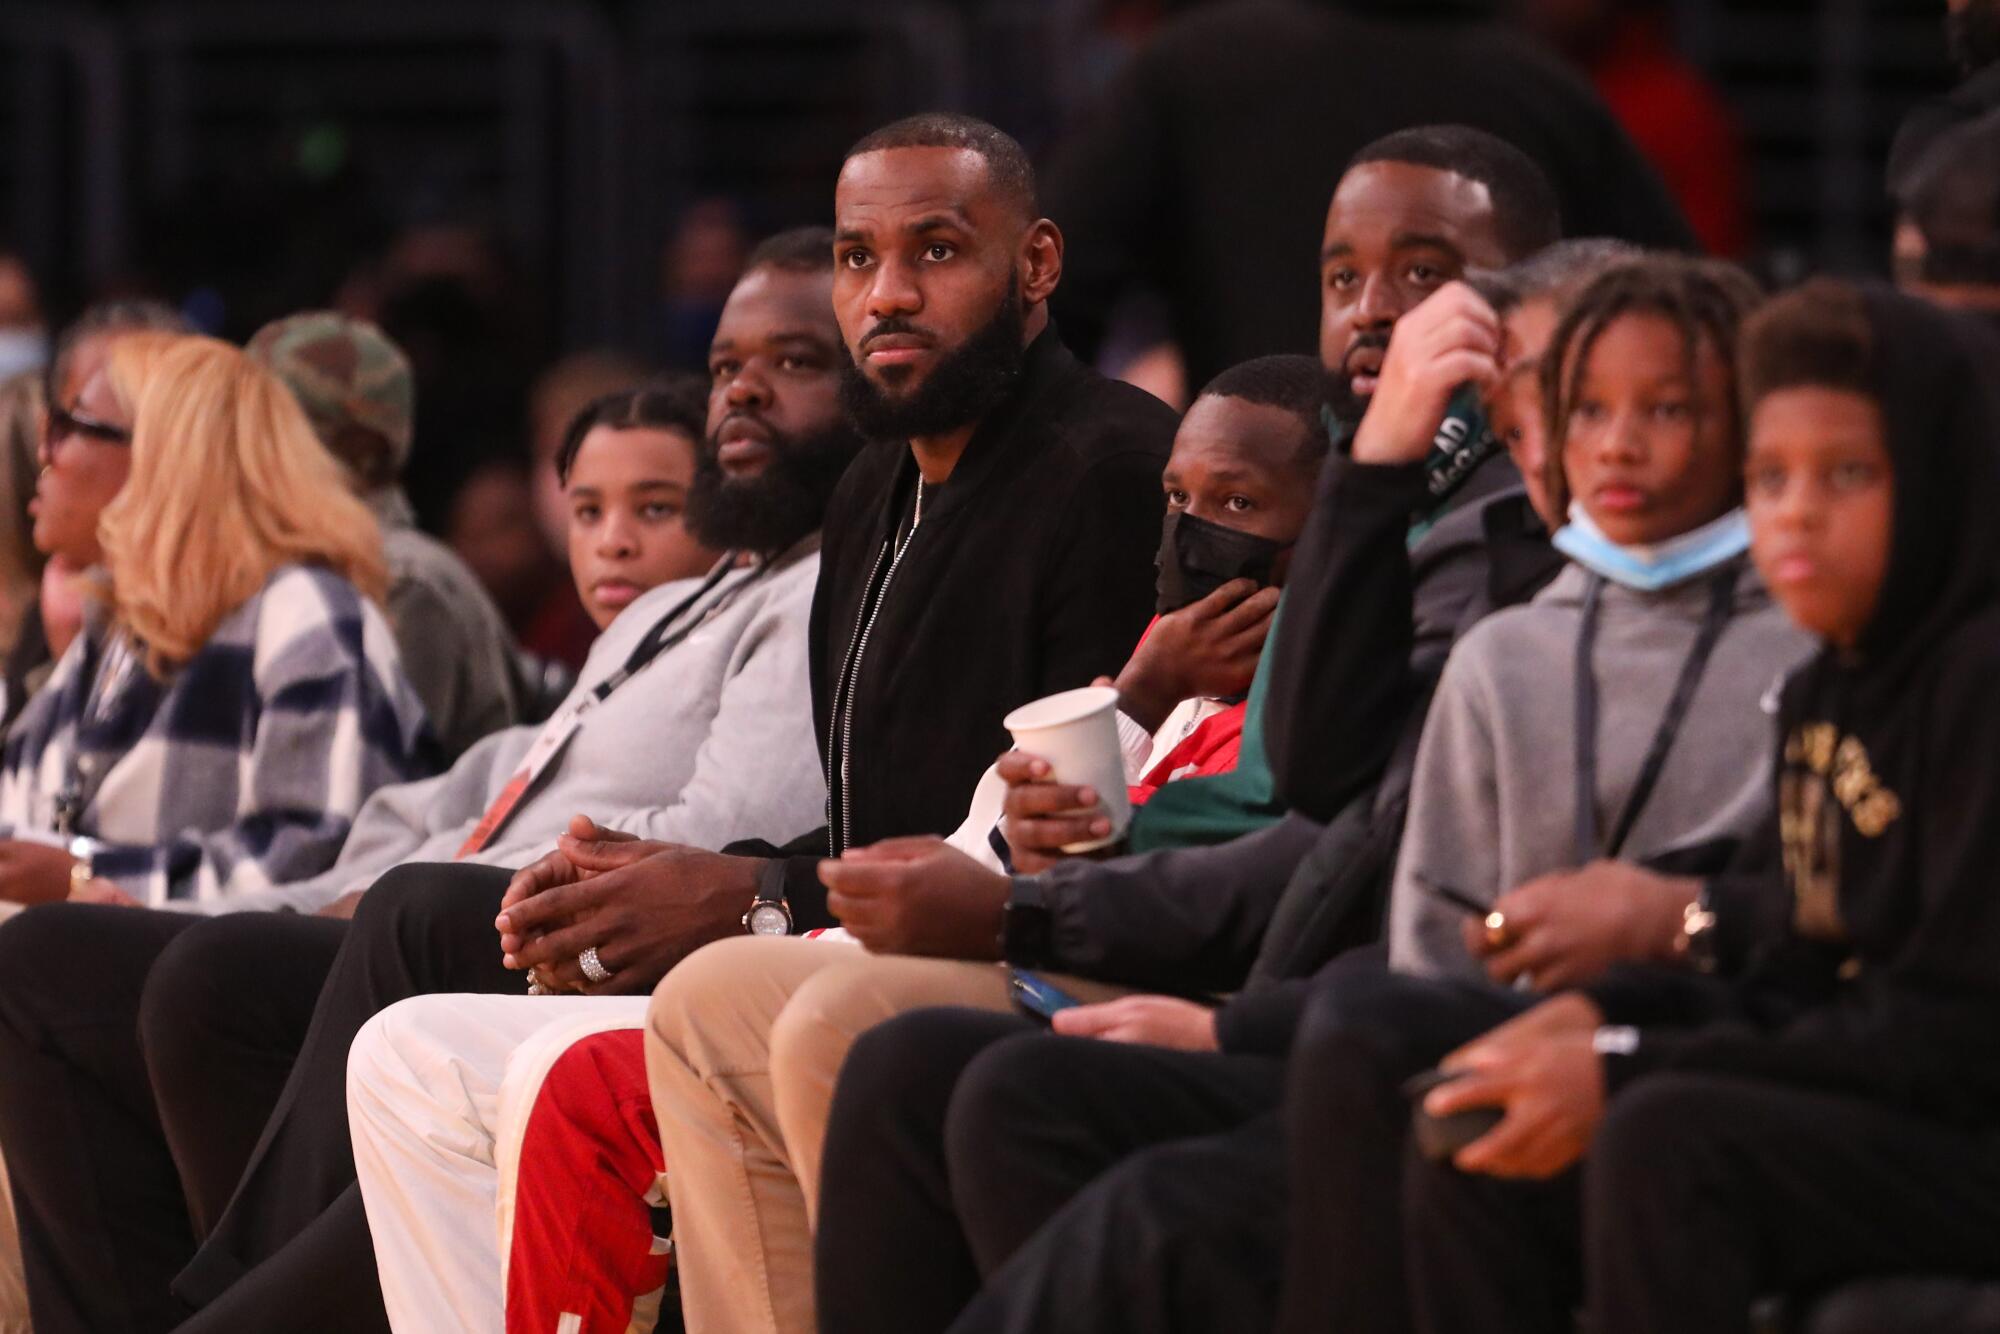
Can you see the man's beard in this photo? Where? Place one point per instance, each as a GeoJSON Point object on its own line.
{"type": "Point", "coordinates": [1344, 407]}
{"type": "Point", "coordinates": [770, 511]}
{"type": "Point", "coordinates": [962, 388]}
{"type": "Point", "coordinates": [1973, 35]}
{"type": "Point", "coordinates": [1375, 339]}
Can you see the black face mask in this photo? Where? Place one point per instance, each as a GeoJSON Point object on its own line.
{"type": "Point", "coordinates": [1197, 557]}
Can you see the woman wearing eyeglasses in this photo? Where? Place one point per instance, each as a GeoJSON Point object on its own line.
{"type": "Point", "coordinates": [53, 612]}
{"type": "Point", "coordinates": [86, 457]}
{"type": "Point", "coordinates": [234, 694]}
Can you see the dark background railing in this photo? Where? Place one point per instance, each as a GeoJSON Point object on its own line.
{"type": "Point", "coordinates": [245, 156]}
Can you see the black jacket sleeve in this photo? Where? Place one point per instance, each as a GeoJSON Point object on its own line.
{"type": "Point", "coordinates": [1341, 675]}
{"type": "Point", "coordinates": [1097, 584]}
{"type": "Point", "coordinates": [1751, 905]}
{"type": "Point", "coordinates": [799, 876]}
{"type": "Point", "coordinates": [1180, 919]}
{"type": "Point", "coordinates": [1263, 1022]}
{"type": "Point", "coordinates": [1264, 1019]}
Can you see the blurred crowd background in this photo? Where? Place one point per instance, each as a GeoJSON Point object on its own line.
{"type": "Point", "coordinates": [541, 198]}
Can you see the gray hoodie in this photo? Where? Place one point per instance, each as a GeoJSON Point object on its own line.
{"type": "Point", "coordinates": [711, 742]}
{"type": "Point", "coordinates": [1493, 801]}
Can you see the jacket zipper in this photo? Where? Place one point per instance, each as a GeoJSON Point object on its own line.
{"type": "Point", "coordinates": [840, 821]}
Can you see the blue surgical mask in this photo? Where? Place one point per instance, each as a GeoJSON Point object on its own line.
{"type": "Point", "coordinates": [1657, 565]}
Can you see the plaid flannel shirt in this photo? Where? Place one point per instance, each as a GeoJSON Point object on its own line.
{"type": "Point", "coordinates": [246, 766]}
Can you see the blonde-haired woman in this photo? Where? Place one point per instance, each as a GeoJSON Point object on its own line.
{"type": "Point", "coordinates": [236, 694]}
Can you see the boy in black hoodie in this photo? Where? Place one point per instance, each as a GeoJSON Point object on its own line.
{"type": "Point", "coordinates": [1831, 1113]}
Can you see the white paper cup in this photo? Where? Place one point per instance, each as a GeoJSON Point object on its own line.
{"type": "Point", "coordinates": [1077, 733]}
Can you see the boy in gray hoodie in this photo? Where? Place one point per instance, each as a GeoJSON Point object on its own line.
{"type": "Point", "coordinates": [1619, 715]}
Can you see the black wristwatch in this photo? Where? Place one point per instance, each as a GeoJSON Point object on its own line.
{"type": "Point", "coordinates": [769, 914]}
{"type": "Point", "coordinates": [1027, 928]}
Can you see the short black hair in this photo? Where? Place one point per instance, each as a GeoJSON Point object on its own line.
{"type": "Point", "coordinates": [670, 403]}
{"type": "Point", "coordinates": [1007, 164]}
{"type": "Point", "coordinates": [125, 315]}
{"type": "Point", "coordinates": [1558, 272]}
{"type": "Point", "coordinates": [1298, 385]}
{"type": "Point", "coordinates": [795, 250]}
{"type": "Point", "coordinates": [1817, 334]}
{"type": "Point", "coordinates": [1525, 207]}
{"type": "Point", "coordinates": [1705, 299]}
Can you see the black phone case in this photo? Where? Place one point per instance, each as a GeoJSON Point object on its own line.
{"type": "Point", "coordinates": [1440, 1137]}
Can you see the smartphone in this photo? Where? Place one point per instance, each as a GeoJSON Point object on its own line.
{"type": "Point", "coordinates": [1439, 1138]}
{"type": "Point", "coordinates": [1036, 995]}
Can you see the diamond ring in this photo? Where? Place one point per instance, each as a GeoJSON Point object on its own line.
{"type": "Point", "coordinates": [593, 967]}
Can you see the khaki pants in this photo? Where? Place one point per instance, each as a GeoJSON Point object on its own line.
{"type": "Point", "coordinates": [13, 1278]}
{"type": "Point", "coordinates": [744, 1040]}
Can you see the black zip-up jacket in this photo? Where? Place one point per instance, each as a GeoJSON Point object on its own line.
{"type": "Point", "coordinates": [1031, 572]}
{"type": "Point", "coordinates": [1368, 623]}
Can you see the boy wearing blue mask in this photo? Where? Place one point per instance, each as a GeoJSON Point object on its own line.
{"type": "Point", "coordinates": [1618, 715]}
{"type": "Point", "coordinates": [1831, 1112]}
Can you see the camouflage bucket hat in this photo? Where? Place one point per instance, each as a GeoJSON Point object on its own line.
{"type": "Point", "coordinates": [352, 381]}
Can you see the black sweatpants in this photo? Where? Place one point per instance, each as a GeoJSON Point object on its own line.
{"type": "Point", "coordinates": [1180, 1238]}
{"type": "Point", "coordinates": [294, 1224]}
{"type": "Point", "coordinates": [1702, 1193]}
{"type": "Point", "coordinates": [1201, 1235]}
{"type": "Point", "coordinates": [955, 1134]}
{"type": "Point", "coordinates": [1347, 1131]}
{"type": "Point", "coordinates": [101, 1009]}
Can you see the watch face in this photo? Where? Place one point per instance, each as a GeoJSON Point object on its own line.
{"type": "Point", "coordinates": [768, 919]}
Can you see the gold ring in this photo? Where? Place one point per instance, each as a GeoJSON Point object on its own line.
{"type": "Point", "coordinates": [1496, 930]}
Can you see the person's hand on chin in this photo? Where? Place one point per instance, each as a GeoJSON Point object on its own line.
{"type": "Point", "coordinates": [1452, 338]}
{"type": "Point", "coordinates": [1209, 647]}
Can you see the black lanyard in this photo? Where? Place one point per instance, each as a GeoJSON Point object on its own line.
{"type": "Point", "coordinates": [68, 805]}
{"type": "Point", "coordinates": [1722, 595]}
{"type": "Point", "coordinates": [663, 635]}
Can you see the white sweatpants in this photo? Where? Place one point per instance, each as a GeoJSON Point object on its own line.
{"type": "Point", "coordinates": [438, 1093]}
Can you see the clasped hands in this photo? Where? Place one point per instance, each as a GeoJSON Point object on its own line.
{"type": "Point", "coordinates": [642, 905]}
